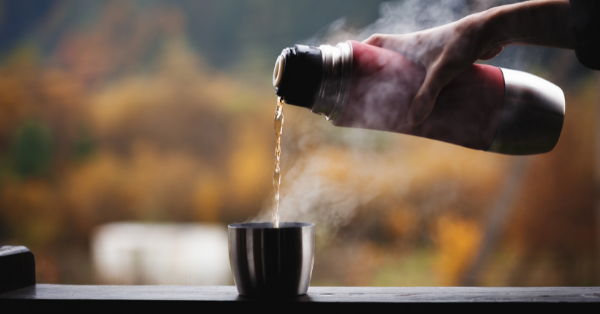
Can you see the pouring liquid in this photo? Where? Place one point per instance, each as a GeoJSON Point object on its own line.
{"type": "Point", "coordinates": [277, 170]}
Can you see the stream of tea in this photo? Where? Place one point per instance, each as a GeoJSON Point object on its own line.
{"type": "Point", "coordinates": [277, 170]}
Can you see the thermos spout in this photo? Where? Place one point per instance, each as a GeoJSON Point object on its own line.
{"type": "Point", "coordinates": [297, 75]}
{"type": "Point", "coordinates": [278, 71]}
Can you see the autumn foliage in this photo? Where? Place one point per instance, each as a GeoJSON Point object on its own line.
{"type": "Point", "coordinates": [100, 132]}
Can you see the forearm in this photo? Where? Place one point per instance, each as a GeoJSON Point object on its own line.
{"type": "Point", "coordinates": [540, 23]}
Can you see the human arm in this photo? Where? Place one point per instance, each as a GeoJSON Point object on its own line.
{"type": "Point", "coordinates": [447, 50]}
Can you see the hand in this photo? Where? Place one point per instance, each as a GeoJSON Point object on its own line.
{"type": "Point", "coordinates": [446, 51]}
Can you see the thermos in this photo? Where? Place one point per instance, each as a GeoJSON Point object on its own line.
{"type": "Point", "coordinates": [485, 108]}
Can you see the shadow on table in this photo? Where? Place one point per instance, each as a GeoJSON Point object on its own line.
{"type": "Point", "coordinates": [302, 298]}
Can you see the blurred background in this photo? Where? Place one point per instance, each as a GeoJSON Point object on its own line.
{"type": "Point", "coordinates": [132, 132]}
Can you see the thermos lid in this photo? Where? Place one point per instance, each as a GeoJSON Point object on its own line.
{"type": "Point", "coordinates": [297, 75]}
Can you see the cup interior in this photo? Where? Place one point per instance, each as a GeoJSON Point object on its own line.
{"type": "Point", "coordinates": [269, 225]}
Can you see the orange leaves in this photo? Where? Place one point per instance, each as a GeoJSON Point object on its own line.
{"type": "Point", "coordinates": [248, 167]}
{"type": "Point", "coordinates": [457, 241]}
{"type": "Point", "coordinates": [32, 211]}
{"type": "Point", "coordinates": [208, 199]}
{"type": "Point", "coordinates": [403, 222]}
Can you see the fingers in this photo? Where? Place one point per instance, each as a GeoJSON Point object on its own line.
{"type": "Point", "coordinates": [423, 103]}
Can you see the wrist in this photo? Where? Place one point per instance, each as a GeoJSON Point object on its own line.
{"type": "Point", "coordinates": [542, 23]}
{"type": "Point", "coordinates": [481, 29]}
{"type": "Point", "coordinates": [493, 34]}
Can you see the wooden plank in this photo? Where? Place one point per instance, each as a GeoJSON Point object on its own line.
{"type": "Point", "coordinates": [315, 294]}
{"type": "Point", "coordinates": [17, 268]}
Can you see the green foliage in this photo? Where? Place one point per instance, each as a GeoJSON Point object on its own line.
{"type": "Point", "coordinates": [84, 145]}
{"type": "Point", "coordinates": [32, 150]}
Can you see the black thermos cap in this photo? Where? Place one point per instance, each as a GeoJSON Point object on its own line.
{"type": "Point", "coordinates": [297, 76]}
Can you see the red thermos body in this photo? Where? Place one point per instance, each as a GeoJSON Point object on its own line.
{"type": "Point", "coordinates": [485, 107]}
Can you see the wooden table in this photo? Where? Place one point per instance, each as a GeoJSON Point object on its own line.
{"type": "Point", "coordinates": [349, 299]}
{"type": "Point", "coordinates": [18, 291]}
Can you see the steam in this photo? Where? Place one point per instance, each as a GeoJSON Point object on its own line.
{"type": "Point", "coordinates": [312, 190]}
{"type": "Point", "coordinates": [401, 17]}
{"type": "Point", "coordinates": [315, 197]}
{"type": "Point", "coordinates": [329, 174]}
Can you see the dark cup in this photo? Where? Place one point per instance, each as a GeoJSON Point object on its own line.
{"type": "Point", "coordinates": [268, 261]}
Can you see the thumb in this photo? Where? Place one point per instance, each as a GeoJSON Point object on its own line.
{"type": "Point", "coordinates": [423, 103]}
{"type": "Point", "coordinates": [375, 40]}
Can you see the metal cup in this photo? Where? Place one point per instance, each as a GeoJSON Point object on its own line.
{"type": "Point", "coordinates": [268, 261]}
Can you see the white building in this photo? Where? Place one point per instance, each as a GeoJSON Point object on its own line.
{"type": "Point", "coordinates": [161, 254]}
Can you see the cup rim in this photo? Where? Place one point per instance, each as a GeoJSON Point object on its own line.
{"type": "Point", "coordinates": [269, 225]}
